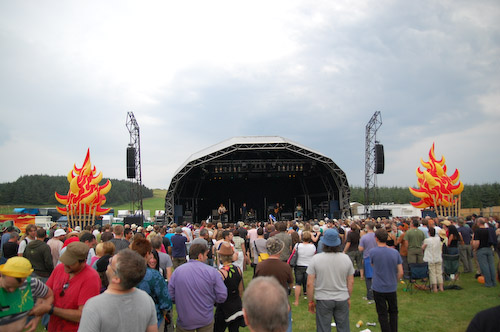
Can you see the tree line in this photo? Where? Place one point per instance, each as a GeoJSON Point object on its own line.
{"type": "Point", "coordinates": [40, 189]}
{"type": "Point", "coordinates": [473, 196]}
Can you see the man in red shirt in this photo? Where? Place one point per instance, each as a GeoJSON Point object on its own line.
{"type": "Point", "coordinates": [73, 283]}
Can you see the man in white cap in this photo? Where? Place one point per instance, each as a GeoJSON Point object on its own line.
{"type": "Point", "coordinates": [330, 281]}
{"type": "Point", "coordinates": [73, 283]}
{"type": "Point", "coordinates": [56, 244]}
{"type": "Point", "coordinates": [21, 295]}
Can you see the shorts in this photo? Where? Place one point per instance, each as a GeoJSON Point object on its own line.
{"type": "Point", "coordinates": [300, 275]}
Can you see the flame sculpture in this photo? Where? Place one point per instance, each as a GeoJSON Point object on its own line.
{"type": "Point", "coordinates": [85, 197]}
{"type": "Point", "coordinates": [436, 189]}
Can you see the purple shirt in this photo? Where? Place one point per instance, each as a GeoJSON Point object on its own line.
{"type": "Point", "coordinates": [195, 287]}
{"type": "Point", "coordinates": [367, 242]}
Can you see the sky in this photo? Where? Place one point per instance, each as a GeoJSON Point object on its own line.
{"type": "Point", "coordinates": [195, 73]}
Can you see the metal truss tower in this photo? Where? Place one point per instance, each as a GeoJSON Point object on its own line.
{"type": "Point", "coordinates": [136, 182]}
{"type": "Point", "coordinates": [370, 176]}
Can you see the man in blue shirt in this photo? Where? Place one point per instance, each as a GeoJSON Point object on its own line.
{"type": "Point", "coordinates": [387, 270]}
{"type": "Point", "coordinates": [178, 248]}
{"type": "Point", "coordinates": [465, 248]}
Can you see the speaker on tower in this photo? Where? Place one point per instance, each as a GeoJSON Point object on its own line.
{"type": "Point", "coordinates": [379, 159]}
{"type": "Point", "coordinates": [130, 163]}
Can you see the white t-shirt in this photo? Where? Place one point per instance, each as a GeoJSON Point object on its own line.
{"type": "Point", "coordinates": [433, 251]}
{"type": "Point", "coordinates": [331, 270]}
{"type": "Point", "coordinates": [306, 252]}
{"type": "Point", "coordinates": [23, 244]}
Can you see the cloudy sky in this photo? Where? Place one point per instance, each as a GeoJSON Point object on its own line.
{"type": "Point", "coordinates": [195, 73]}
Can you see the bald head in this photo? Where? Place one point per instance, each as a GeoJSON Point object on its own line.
{"type": "Point", "coordinates": [269, 312]}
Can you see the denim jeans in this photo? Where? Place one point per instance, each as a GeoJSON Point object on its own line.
{"type": "Point", "coordinates": [324, 311]}
{"type": "Point", "coordinates": [487, 265]}
{"type": "Point", "coordinates": [387, 310]}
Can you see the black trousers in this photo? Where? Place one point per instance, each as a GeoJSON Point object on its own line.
{"type": "Point", "coordinates": [387, 310]}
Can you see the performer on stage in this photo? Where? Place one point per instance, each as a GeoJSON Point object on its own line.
{"type": "Point", "coordinates": [243, 212]}
{"type": "Point", "coordinates": [298, 211]}
{"type": "Point", "coordinates": [222, 211]}
{"type": "Point", "coordinates": [277, 211]}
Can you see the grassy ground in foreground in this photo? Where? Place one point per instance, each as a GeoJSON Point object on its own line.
{"type": "Point", "coordinates": [449, 311]}
{"type": "Point", "coordinates": [420, 311]}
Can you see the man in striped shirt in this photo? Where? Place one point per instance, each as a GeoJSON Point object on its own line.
{"type": "Point", "coordinates": [21, 295]}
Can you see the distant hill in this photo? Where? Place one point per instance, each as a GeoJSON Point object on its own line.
{"type": "Point", "coordinates": [473, 196]}
{"type": "Point", "coordinates": [39, 190]}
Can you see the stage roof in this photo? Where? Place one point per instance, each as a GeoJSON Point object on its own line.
{"type": "Point", "coordinates": [269, 169]}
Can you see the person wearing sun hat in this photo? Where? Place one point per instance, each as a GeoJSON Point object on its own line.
{"type": "Point", "coordinates": [229, 314]}
{"type": "Point", "coordinates": [18, 295]}
{"type": "Point", "coordinates": [274, 267]}
{"type": "Point", "coordinates": [73, 283]}
{"type": "Point", "coordinates": [330, 280]}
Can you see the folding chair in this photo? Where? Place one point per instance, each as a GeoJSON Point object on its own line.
{"type": "Point", "coordinates": [418, 278]}
{"type": "Point", "coordinates": [451, 272]}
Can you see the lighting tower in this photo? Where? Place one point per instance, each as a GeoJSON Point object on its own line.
{"type": "Point", "coordinates": [134, 164]}
{"type": "Point", "coordinates": [370, 159]}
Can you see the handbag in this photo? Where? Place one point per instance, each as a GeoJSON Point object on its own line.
{"type": "Point", "coordinates": [292, 260]}
{"type": "Point", "coordinates": [261, 256]}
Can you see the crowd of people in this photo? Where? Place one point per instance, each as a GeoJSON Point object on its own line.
{"type": "Point", "coordinates": [128, 277]}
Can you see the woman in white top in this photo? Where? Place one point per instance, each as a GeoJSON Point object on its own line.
{"type": "Point", "coordinates": [433, 256]}
{"type": "Point", "coordinates": [305, 252]}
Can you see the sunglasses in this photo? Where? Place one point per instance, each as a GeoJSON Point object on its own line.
{"type": "Point", "coordinates": [65, 286]}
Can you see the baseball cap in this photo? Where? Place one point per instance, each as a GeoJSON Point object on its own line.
{"type": "Point", "coordinates": [59, 232]}
{"type": "Point", "coordinates": [76, 251]}
{"type": "Point", "coordinates": [16, 267]}
{"type": "Point", "coordinates": [78, 229]}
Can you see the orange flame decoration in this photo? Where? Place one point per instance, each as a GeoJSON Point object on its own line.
{"type": "Point", "coordinates": [435, 187]}
{"type": "Point", "coordinates": [85, 197]}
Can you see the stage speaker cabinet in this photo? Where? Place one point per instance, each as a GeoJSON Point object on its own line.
{"type": "Point", "coordinates": [380, 213]}
{"type": "Point", "coordinates": [130, 163]}
{"type": "Point", "coordinates": [129, 220]}
{"type": "Point", "coordinates": [379, 159]}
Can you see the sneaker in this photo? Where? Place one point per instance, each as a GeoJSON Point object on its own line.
{"type": "Point", "coordinates": [365, 298]}
{"type": "Point", "coordinates": [371, 302]}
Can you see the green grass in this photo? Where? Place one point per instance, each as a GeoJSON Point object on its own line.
{"type": "Point", "coordinates": [448, 311]}
{"type": "Point", "coordinates": [157, 202]}
{"type": "Point", "coordinates": [420, 311]}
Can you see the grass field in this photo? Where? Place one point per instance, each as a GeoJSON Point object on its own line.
{"type": "Point", "coordinates": [421, 311]}
{"type": "Point", "coordinates": [157, 202]}
{"type": "Point", "coordinates": [448, 311]}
